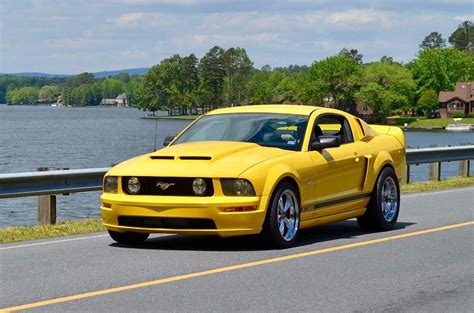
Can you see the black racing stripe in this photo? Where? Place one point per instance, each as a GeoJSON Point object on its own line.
{"type": "Point", "coordinates": [338, 201]}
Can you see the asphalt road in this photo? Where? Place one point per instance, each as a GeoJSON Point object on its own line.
{"type": "Point", "coordinates": [419, 267]}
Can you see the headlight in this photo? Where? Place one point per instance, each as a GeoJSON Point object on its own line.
{"type": "Point", "coordinates": [133, 185]}
{"type": "Point", "coordinates": [199, 187]}
{"type": "Point", "coordinates": [110, 184]}
{"type": "Point", "coordinates": [237, 187]}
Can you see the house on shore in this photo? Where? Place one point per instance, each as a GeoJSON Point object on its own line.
{"type": "Point", "coordinates": [459, 100]}
{"type": "Point", "coordinates": [120, 101]}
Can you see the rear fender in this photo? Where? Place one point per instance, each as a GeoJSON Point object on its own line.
{"type": "Point", "coordinates": [382, 159]}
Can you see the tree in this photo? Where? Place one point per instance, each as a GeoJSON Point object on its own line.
{"type": "Point", "coordinates": [172, 84]}
{"type": "Point", "coordinates": [353, 53]}
{"type": "Point", "coordinates": [334, 79]}
{"type": "Point", "coordinates": [260, 89]}
{"type": "Point", "coordinates": [49, 93]}
{"type": "Point", "coordinates": [386, 59]}
{"type": "Point", "coordinates": [440, 69]}
{"type": "Point", "coordinates": [23, 95]}
{"type": "Point", "coordinates": [463, 37]}
{"type": "Point", "coordinates": [433, 41]}
{"type": "Point", "coordinates": [239, 68]}
{"type": "Point", "coordinates": [112, 87]}
{"type": "Point", "coordinates": [212, 75]}
{"type": "Point", "coordinates": [386, 87]}
{"type": "Point", "coordinates": [428, 101]}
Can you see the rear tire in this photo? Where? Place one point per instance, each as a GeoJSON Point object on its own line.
{"type": "Point", "coordinates": [384, 205]}
{"type": "Point", "coordinates": [282, 223]}
{"type": "Point", "coordinates": [128, 237]}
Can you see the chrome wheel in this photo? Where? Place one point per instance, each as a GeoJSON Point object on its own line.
{"type": "Point", "coordinates": [389, 199]}
{"type": "Point", "coordinates": [288, 215]}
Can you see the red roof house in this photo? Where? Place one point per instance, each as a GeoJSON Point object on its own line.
{"type": "Point", "coordinates": [459, 100]}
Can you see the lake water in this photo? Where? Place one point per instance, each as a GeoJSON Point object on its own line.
{"type": "Point", "coordinates": [32, 137]}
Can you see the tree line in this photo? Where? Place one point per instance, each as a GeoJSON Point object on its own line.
{"type": "Point", "coordinates": [80, 90]}
{"type": "Point", "coordinates": [227, 77]}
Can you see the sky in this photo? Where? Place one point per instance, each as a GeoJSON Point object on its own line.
{"type": "Point", "coordinates": [70, 37]}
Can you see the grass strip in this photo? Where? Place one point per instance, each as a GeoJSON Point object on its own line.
{"type": "Point", "coordinates": [433, 185]}
{"type": "Point", "coordinates": [64, 228]}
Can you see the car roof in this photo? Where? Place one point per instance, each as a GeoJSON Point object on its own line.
{"type": "Point", "coordinates": [268, 108]}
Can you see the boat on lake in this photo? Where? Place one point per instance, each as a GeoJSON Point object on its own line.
{"type": "Point", "coordinates": [460, 127]}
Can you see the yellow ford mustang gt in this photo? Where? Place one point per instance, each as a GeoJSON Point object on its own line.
{"type": "Point", "coordinates": [269, 169]}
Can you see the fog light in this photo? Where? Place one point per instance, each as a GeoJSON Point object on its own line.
{"type": "Point", "coordinates": [199, 187]}
{"type": "Point", "coordinates": [133, 185]}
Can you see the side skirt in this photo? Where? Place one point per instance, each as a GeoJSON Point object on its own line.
{"type": "Point", "coordinates": [332, 218]}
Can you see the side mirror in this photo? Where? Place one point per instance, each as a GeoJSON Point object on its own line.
{"type": "Point", "coordinates": [168, 140]}
{"type": "Point", "coordinates": [326, 142]}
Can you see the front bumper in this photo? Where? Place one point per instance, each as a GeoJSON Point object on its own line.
{"type": "Point", "coordinates": [227, 223]}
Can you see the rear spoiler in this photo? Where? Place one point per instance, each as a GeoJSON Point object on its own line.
{"type": "Point", "coordinates": [391, 131]}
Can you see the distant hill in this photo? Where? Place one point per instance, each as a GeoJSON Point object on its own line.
{"type": "Point", "coordinates": [35, 74]}
{"type": "Point", "coordinates": [131, 72]}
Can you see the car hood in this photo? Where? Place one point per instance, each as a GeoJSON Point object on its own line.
{"type": "Point", "coordinates": [198, 159]}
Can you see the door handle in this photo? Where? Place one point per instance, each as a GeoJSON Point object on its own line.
{"type": "Point", "coordinates": [357, 159]}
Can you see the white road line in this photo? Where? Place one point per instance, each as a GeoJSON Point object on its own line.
{"type": "Point", "coordinates": [418, 194]}
{"type": "Point", "coordinates": [49, 242]}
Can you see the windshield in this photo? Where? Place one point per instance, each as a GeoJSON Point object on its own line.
{"type": "Point", "coordinates": [284, 131]}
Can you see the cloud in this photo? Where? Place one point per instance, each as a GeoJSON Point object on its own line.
{"type": "Point", "coordinates": [153, 19]}
{"type": "Point", "coordinates": [166, 2]}
{"type": "Point", "coordinates": [127, 19]}
{"type": "Point", "coordinates": [463, 18]}
{"type": "Point", "coordinates": [358, 17]}
{"type": "Point", "coordinates": [79, 43]}
{"type": "Point", "coordinates": [228, 40]}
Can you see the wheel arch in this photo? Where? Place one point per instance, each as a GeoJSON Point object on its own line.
{"type": "Point", "coordinates": [382, 161]}
{"type": "Point", "coordinates": [275, 177]}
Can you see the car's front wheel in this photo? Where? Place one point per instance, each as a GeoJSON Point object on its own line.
{"type": "Point", "coordinates": [128, 237]}
{"type": "Point", "coordinates": [283, 217]}
{"type": "Point", "coordinates": [384, 205]}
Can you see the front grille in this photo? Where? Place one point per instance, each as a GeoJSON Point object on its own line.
{"type": "Point", "coordinates": [166, 222]}
{"type": "Point", "coordinates": [168, 186]}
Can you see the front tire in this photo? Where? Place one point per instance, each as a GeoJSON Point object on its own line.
{"type": "Point", "coordinates": [283, 217]}
{"type": "Point", "coordinates": [384, 205]}
{"type": "Point", "coordinates": [128, 237]}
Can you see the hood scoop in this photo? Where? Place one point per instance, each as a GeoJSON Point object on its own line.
{"type": "Point", "coordinates": [162, 157]}
{"type": "Point", "coordinates": [184, 158]}
{"type": "Point", "coordinates": [200, 158]}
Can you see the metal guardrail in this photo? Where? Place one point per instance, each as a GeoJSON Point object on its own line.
{"type": "Point", "coordinates": [440, 154]}
{"type": "Point", "coordinates": [50, 183]}
{"type": "Point", "coordinates": [81, 180]}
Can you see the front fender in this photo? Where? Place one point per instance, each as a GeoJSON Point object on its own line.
{"type": "Point", "coordinates": [266, 184]}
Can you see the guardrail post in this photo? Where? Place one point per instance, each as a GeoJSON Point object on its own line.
{"type": "Point", "coordinates": [46, 210]}
{"type": "Point", "coordinates": [46, 204]}
{"type": "Point", "coordinates": [464, 168]}
{"type": "Point", "coordinates": [407, 177]}
{"type": "Point", "coordinates": [435, 171]}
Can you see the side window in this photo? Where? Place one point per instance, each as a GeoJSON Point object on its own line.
{"type": "Point", "coordinates": [332, 125]}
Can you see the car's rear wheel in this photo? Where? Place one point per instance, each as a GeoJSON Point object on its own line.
{"type": "Point", "coordinates": [128, 237]}
{"type": "Point", "coordinates": [384, 205]}
{"type": "Point", "coordinates": [283, 217]}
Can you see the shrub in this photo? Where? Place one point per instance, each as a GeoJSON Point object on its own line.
{"type": "Point", "coordinates": [457, 114]}
{"type": "Point", "coordinates": [397, 112]}
{"type": "Point", "coordinates": [471, 115]}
